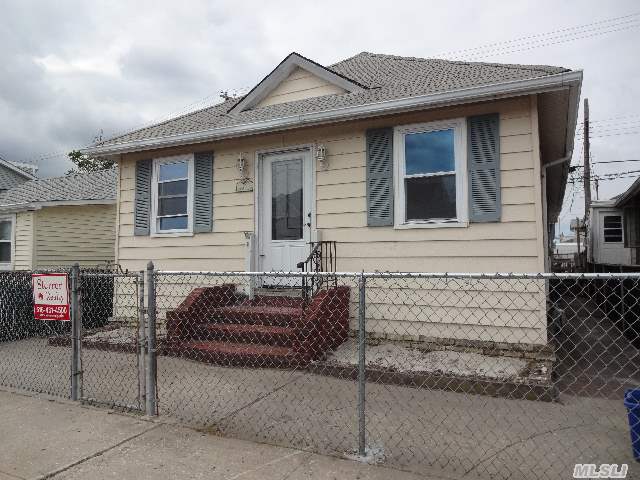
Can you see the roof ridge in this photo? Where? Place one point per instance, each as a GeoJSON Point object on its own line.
{"type": "Point", "coordinates": [513, 66]}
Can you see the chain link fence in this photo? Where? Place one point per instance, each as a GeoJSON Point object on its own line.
{"type": "Point", "coordinates": [477, 375]}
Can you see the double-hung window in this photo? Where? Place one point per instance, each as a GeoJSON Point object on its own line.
{"type": "Point", "coordinates": [430, 179]}
{"type": "Point", "coordinates": [172, 195]}
{"type": "Point", "coordinates": [6, 243]}
{"type": "Point", "coordinates": [612, 229]}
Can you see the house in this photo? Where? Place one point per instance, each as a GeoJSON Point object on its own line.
{"type": "Point", "coordinates": [407, 164]}
{"type": "Point", "coordinates": [53, 222]}
{"type": "Point", "coordinates": [14, 173]}
{"type": "Point", "coordinates": [614, 233]}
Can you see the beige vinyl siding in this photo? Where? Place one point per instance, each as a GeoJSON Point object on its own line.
{"type": "Point", "coordinates": [300, 84]}
{"type": "Point", "coordinates": [69, 234]}
{"type": "Point", "coordinates": [514, 244]}
{"type": "Point", "coordinates": [23, 250]}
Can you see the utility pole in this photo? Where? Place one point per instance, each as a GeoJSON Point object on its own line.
{"type": "Point", "coordinates": [578, 261]}
{"type": "Point", "coordinates": [587, 163]}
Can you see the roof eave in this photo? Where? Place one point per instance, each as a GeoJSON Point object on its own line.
{"type": "Point", "coordinates": [632, 191]}
{"type": "Point", "coordinates": [453, 97]}
{"type": "Point", "coordinates": [27, 206]}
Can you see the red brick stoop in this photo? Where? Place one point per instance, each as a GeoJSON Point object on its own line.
{"type": "Point", "coordinates": [214, 325]}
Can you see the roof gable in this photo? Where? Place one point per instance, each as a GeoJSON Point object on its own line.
{"type": "Point", "coordinates": [299, 85]}
{"type": "Point", "coordinates": [295, 78]}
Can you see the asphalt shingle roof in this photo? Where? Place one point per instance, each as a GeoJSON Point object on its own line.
{"type": "Point", "coordinates": [80, 187]}
{"type": "Point", "coordinates": [386, 77]}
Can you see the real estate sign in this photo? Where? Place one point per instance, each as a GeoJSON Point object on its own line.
{"type": "Point", "coordinates": [50, 296]}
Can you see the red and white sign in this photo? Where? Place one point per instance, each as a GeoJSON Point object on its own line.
{"type": "Point", "coordinates": [50, 296]}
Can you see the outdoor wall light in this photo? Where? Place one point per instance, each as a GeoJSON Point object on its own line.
{"type": "Point", "coordinates": [321, 156]}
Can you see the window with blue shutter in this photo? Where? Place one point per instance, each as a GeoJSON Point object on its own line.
{"type": "Point", "coordinates": [483, 159]}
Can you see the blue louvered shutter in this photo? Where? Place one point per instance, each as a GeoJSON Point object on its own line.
{"type": "Point", "coordinates": [142, 199]}
{"type": "Point", "coordinates": [483, 145]}
{"type": "Point", "coordinates": [203, 192]}
{"type": "Point", "coordinates": [380, 177]}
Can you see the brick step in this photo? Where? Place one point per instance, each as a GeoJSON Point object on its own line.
{"type": "Point", "coordinates": [258, 315]}
{"type": "Point", "coordinates": [247, 333]}
{"type": "Point", "coordinates": [237, 354]}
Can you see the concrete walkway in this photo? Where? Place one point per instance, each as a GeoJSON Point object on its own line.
{"type": "Point", "coordinates": [43, 438]}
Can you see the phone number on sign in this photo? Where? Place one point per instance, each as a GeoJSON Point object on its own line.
{"type": "Point", "coordinates": [59, 310]}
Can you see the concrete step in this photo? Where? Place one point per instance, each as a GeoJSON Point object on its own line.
{"type": "Point", "coordinates": [259, 315]}
{"type": "Point", "coordinates": [237, 354]}
{"type": "Point", "coordinates": [252, 334]}
{"type": "Point", "coordinates": [279, 292]}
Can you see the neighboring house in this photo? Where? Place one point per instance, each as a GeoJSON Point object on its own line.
{"type": "Point", "coordinates": [615, 229]}
{"type": "Point", "coordinates": [408, 164]}
{"type": "Point", "coordinates": [14, 173]}
{"type": "Point", "coordinates": [54, 222]}
{"type": "Point", "coordinates": [567, 248]}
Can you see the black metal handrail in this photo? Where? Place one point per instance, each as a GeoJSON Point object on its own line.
{"type": "Point", "coordinates": [322, 258]}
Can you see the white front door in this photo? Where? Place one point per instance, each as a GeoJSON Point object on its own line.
{"type": "Point", "coordinates": [286, 213]}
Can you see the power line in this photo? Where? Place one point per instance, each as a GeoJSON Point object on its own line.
{"type": "Point", "coordinates": [607, 162]}
{"type": "Point", "coordinates": [562, 35]}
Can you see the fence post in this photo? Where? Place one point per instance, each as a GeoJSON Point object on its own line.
{"type": "Point", "coordinates": [151, 407]}
{"type": "Point", "coordinates": [142, 378]}
{"type": "Point", "coordinates": [76, 334]}
{"type": "Point", "coordinates": [361, 366]}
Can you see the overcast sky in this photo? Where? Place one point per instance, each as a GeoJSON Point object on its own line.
{"type": "Point", "coordinates": [73, 69]}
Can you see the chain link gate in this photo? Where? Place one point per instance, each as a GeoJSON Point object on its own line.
{"type": "Point", "coordinates": [111, 353]}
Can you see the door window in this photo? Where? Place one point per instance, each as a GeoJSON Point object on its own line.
{"type": "Point", "coordinates": [286, 200]}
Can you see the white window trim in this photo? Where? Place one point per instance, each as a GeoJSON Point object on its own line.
{"type": "Point", "coordinates": [611, 214]}
{"type": "Point", "coordinates": [154, 197]}
{"type": "Point", "coordinates": [459, 126]}
{"type": "Point", "coordinates": [10, 265]}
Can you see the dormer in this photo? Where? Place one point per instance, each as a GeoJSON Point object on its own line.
{"type": "Point", "coordinates": [295, 78]}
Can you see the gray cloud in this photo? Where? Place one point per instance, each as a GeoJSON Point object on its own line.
{"type": "Point", "coordinates": [71, 68]}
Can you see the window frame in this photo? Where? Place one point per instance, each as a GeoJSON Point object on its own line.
{"type": "Point", "coordinates": [12, 242]}
{"type": "Point", "coordinates": [604, 237]}
{"type": "Point", "coordinates": [459, 127]}
{"type": "Point", "coordinates": [155, 228]}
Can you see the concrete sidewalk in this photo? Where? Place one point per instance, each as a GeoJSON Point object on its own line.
{"type": "Point", "coordinates": [43, 438]}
